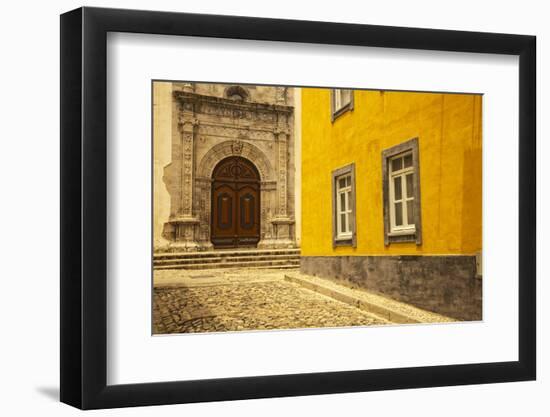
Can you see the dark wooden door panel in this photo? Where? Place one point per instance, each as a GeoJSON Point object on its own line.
{"type": "Point", "coordinates": [247, 220]}
{"type": "Point", "coordinates": [224, 209]}
{"type": "Point", "coordinates": [248, 225]}
{"type": "Point", "coordinates": [235, 203]}
{"type": "Point", "coordinates": [248, 210]}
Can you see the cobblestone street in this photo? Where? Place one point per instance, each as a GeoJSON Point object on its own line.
{"type": "Point", "coordinates": [246, 301]}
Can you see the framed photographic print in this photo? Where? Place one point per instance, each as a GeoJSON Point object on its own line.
{"type": "Point", "coordinates": [256, 208]}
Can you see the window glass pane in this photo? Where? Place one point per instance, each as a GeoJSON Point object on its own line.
{"type": "Point", "coordinates": [343, 227]}
{"type": "Point", "coordinates": [410, 212]}
{"type": "Point", "coordinates": [398, 214]}
{"type": "Point", "coordinates": [397, 188]}
{"type": "Point", "coordinates": [408, 160]}
{"type": "Point", "coordinates": [343, 202]}
{"type": "Point", "coordinates": [410, 185]}
{"type": "Point", "coordinates": [348, 181]}
{"type": "Point", "coordinates": [396, 164]}
{"type": "Point", "coordinates": [341, 183]}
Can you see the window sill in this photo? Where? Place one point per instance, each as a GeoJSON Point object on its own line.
{"type": "Point", "coordinates": [402, 237]}
{"type": "Point", "coordinates": [343, 242]}
{"type": "Point", "coordinates": [404, 232]}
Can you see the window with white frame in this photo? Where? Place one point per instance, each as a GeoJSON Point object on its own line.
{"type": "Point", "coordinates": [401, 182]}
{"type": "Point", "coordinates": [342, 100]}
{"type": "Point", "coordinates": [343, 207]}
{"type": "Point", "coordinates": [401, 188]}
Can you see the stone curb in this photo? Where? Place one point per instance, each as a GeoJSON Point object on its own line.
{"type": "Point", "coordinates": [388, 309]}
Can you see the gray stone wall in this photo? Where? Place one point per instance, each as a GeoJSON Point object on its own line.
{"type": "Point", "coordinates": [443, 284]}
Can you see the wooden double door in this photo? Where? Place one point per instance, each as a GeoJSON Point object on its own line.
{"type": "Point", "coordinates": [235, 204]}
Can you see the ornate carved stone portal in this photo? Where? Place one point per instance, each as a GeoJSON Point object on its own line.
{"type": "Point", "coordinates": [214, 122]}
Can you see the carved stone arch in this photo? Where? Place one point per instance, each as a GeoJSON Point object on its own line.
{"type": "Point", "coordinates": [237, 92]}
{"type": "Point", "coordinates": [235, 148]}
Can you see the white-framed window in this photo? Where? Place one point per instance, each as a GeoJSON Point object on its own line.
{"type": "Point", "coordinates": [401, 193]}
{"type": "Point", "coordinates": [401, 184]}
{"type": "Point", "coordinates": [343, 207]}
{"type": "Point", "coordinates": [341, 101]}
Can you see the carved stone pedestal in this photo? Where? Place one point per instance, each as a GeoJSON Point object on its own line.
{"type": "Point", "coordinates": [183, 231]}
{"type": "Point", "coordinates": [283, 236]}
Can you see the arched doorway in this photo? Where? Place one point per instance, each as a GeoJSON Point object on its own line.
{"type": "Point", "coordinates": [235, 204]}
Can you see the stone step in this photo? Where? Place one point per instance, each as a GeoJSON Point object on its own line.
{"type": "Point", "coordinates": [224, 253]}
{"type": "Point", "coordinates": [239, 263]}
{"type": "Point", "coordinates": [291, 268]}
{"type": "Point", "coordinates": [184, 261]}
{"type": "Point", "coordinates": [284, 264]}
{"type": "Point", "coordinates": [223, 258]}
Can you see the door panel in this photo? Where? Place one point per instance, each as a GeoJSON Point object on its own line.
{"type": "Point", "coordinates": [248, 226]}
{"type": "Point", "coordinates": [246, 208]}
{"type": "Point", "coordinates": [224, 209]}
{"type": "Point", "coordinates": [235, 204]}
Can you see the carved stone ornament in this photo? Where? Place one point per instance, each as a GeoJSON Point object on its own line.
{"type": "Point", "coordinates": [237, 147]}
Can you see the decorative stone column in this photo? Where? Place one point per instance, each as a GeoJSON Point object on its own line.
{"type": "Point", "coordinates": [282, 222]}
{"type": "Point", "coordinates": [185, 223]}
{"type": "Point", "coordinates": [203, 190]}
{"type": "Point", "coordinates": [268, 190]}
{"type": "Point", "coordinates": [282, 173]}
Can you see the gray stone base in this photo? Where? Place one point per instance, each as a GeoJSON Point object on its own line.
{"type": "Point", "coordinates": [443, 284]}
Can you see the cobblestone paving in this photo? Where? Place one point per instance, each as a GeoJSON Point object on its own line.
{"type": "Point", "coordinates": [250, 306]}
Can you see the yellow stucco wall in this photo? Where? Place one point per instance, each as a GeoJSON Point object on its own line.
{"type": "Point", "coordinates": [448, 128]}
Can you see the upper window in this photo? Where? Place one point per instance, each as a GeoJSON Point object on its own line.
{"type": "Point", "coordinates": [343, 206]}
{"type": "Point", "coordinates": [341, 101]}
{"type": "Point", "coordinates": [402, 193]}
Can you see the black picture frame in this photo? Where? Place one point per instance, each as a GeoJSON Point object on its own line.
{"type": "Point", "coordinates": [84, 207]}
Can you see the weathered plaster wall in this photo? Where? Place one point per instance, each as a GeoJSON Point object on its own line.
{"type": "Point", "coordinates": [162, 132]}
{"type": "Point", "coordinates": [298, 163]}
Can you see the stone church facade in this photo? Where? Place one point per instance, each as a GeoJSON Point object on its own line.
{"type": "Point", "coordinates": [224, 166]}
